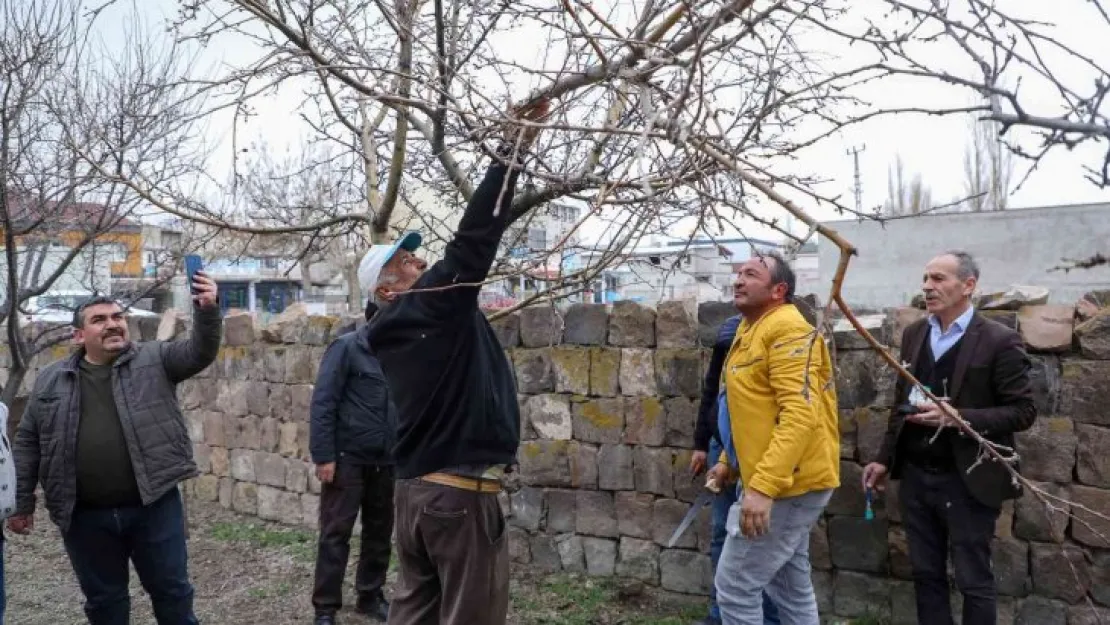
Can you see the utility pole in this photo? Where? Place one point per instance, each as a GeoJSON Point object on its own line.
{"type": "Point", "coordinates": [858, 190]}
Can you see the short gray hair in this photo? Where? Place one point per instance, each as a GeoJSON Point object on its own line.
{"type": "Point", "coordinates": [966, 265]}
{"type": "Point", "coordinates": [384, 278]}
{"type": "Point", "coordinates": [96, 300]}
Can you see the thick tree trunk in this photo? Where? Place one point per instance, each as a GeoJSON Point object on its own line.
{"type": "Point", "coordinates": [11, 399]}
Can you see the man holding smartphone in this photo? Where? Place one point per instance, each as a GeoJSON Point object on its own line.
{"type": "Point", "coordinates": [105, 437]}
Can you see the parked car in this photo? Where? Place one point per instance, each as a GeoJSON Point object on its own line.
{"type": "Point", "coordinates": [56, 308]}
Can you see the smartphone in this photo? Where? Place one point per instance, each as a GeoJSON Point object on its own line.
{"type": "Point", "coordinates": [193, 264]}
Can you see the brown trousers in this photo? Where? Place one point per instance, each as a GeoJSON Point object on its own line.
{"type": "Point", "coordinates": [453, 552]}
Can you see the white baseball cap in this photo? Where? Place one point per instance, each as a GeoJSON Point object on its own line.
{"type": "Point", "coordinates": [378, 255]}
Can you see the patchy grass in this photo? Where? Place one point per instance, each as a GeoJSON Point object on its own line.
{"type": "Point", "coordinates": [869, 619]}
{"type": "Point", "coordinates": [250, 572]}
{"type": "Point", "coordinates": [299, 544]}
{"type": "Point", "coordinates": [579, 600]}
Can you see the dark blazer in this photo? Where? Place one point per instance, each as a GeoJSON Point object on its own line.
{"type": "Point", "coordinates": [992, 391]}
{"type": "Point", "coordinates": [706, 427]}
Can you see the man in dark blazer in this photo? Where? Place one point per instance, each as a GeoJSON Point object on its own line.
{"type": "Point", "coordinates": [979, 367]}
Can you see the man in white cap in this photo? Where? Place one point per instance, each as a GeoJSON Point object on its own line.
{"type": "Point", "coordinates": [370, 268]}
{"type": "Point", "coordinates": [458, 423]}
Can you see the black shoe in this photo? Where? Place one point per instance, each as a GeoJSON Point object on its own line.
{"type": "Point", "coordinates": [375, 606]}
{"type": "Point", "coordinates": [709, 620]}
{"type": "Point", "coordinates": [325, 619]}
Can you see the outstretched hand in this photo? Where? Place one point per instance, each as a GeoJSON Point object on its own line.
{"type": "Point", "coordinates": [205, 290]}
{"type": "Point", "coordinates": [536, 111]}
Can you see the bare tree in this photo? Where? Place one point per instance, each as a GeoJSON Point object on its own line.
{"type": "Point", "coordinates": [70, 111]}
{"type": "Point", "coordinates": [298, 188]}
{"type": "Point", "coordinates": [906, 199]}
{"type": "Point", "coordinates": [664, 111]}
{"type": "Point", "coordinates": [414, 90]}
{"type": "Point", "coordinates": [988, 166]}
{"type": "Point", "coordinates": [1040, 89]}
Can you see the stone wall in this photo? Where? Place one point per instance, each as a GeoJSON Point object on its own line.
{"type": "Point", "coordinates": [247, 415]}
{"type": "Point", "coordinates": [609, 397]}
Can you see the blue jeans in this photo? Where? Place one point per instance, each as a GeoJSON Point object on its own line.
{"type": "Point", "coordinates": [101, 541]}
{"type": "Point", "coordinates": [775, 564]}
{"type": "Point", "coordinates": [721, 505]}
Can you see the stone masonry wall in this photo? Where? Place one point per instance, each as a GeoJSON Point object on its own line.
{"type": "Point", "coordinates": [609, 398]}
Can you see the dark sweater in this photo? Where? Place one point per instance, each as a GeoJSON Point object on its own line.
{"type": "Point", "coordinates": [453, 386]}
{"type": "Point", "coordinates": [105, 477]}
{"type": "Point", "coordinates": [937, 375]}
{"type": "Point", "coordinates": [706, 427]}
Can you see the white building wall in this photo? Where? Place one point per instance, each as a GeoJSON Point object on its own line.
{"type": "Point", "coordinates": [89, 271]}
{"type": "Point", "coordinates": [1017, 246]}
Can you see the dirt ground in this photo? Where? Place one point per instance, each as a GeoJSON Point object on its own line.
{"type": "Point", "coordinates": [249, 572]}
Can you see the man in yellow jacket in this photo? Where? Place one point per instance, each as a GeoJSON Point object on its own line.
{"type": "Point", "coordinates": [783, 439]}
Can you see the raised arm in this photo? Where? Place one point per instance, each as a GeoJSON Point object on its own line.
{"type": "Point", "coordinates": [186, 357]}
{"type": "Point", "coordinates": [469, 255]}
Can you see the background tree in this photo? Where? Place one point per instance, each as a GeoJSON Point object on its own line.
{"type": "Point", "coordinates": [301, 186]}
{"type": "Point", "coordinates": [70, 110]}
{"type": "Point", "coordinates": [988, 166]}
{"type": "Point", "coordinates": [906, 199]}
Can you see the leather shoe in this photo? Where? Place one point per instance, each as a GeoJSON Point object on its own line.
{"type": "Point", "coordinates": [375, 606]}
{"type": "Point", "coordinates": [325, 619]}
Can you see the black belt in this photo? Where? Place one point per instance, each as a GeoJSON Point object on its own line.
{"type": "Point", "coordinates": [931, 466]}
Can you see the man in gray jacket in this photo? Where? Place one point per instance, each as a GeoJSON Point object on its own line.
{"type": "Point", "coordinates": [104, 435]}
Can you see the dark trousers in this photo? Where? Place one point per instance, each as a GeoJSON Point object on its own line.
{"type": "Point", "coordinates": [940, 515]}
{"type": "Point", "coordinates": [101, 541]}
{"type": "Point", "coordinates": [453, 550]}
{"type": "Point", "coordinates": [368, 488]}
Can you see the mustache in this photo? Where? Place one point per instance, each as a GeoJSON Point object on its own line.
{"type": "Point", "coordinates": [108, 333]}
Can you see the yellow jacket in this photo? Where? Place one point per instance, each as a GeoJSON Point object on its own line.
{"type": "Point", "coordinates": [787, 441]}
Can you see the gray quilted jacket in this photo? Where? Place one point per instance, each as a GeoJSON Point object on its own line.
{"type": "Point", "coordinates": [144, 382]}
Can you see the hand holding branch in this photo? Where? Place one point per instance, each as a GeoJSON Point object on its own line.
{"type": "Point", "coordinates": [534, 112]}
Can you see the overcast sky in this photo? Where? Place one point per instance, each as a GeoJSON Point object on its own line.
{"type": "Point", "coordinates": [929, 146]}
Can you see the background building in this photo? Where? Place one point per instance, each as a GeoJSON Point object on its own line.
{"type": "Point", "coordinates": [701, 269]}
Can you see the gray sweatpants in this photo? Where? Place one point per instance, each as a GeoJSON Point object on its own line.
{"type": "Point", "coordinates": [778, 561]}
